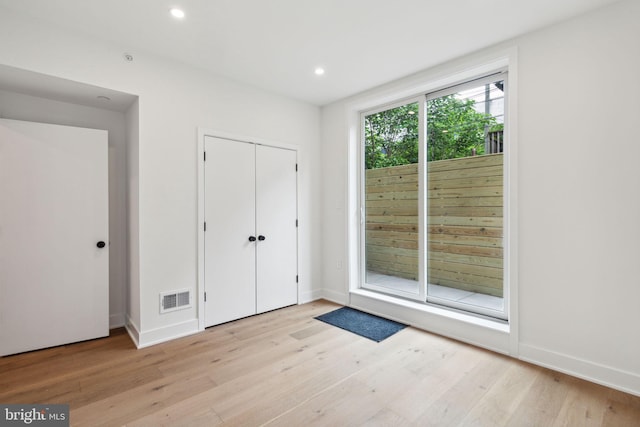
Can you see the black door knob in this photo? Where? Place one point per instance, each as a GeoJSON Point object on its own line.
{"type": "Point", "coordinates": [101, 244]}
{"type": "Point", "coordinates": [252, 238]}
{"type": "Point", "coordinates": [261, 237]}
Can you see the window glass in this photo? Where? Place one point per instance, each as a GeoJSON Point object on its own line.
{"type": "Point", "coordinates": [391, 153]}
{"type": "Point", "coordinates": [465, 200]}
{"type": "Point", "coordinates": [433, 198]}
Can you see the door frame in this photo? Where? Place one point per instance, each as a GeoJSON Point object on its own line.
{"type": "Point", "coordinates": [202, 133]}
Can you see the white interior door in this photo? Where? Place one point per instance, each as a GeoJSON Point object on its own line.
{"type": "Point", "coordinates": [276, 214]}
{"type": "Point", "coordinates": [54, 279]}
{"type": "Point", "coordinates": [229, 258]}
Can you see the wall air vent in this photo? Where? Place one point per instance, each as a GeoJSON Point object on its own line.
{"type": "Point", "coordinates": [175, 300]}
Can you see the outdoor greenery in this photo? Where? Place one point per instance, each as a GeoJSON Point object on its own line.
{"type": "Point", "coordinates": [454, 129]}
{"type": "Point", "coordinates": [391, 137]}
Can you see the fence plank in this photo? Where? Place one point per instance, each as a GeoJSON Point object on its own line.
{"type": "Point", "coordinates": [391, 203]}
{"type": "Point", "coordinates": [393, 195]}
{"type": "Point", "coordinates": [467, 200]}
{"type": "Point", "coordinates": [392, 243]}
{"type": "Point", "coordinates": [392, 179]}
{"type": "Point", "coordinates": [464, 216]}
{"type": "Point", "coordinates": [475, 162]}
{"type": "Point", "coordinates": [475, 182]}
{"type": "Point", "coordinates": [393, 219]}
{"type": "Point", "coordinates": [458, 220]}
{"type": "Point", "coordinates": [407, 228]}
{"type": "Point", "coordinates": [447, 249]}
{"type": "Point", "coordinates": [393, 211]}
{"type": "Point", "coordinates": [486, 191]}
{"type": "Point", "coordinates": [408, 263]}
{"type": "Point", "coordinates": [412, 186]}
{"type": "Point", "coordinates": [434, 230]}
{"type": "Point", "coordinates": [468, 270]}
{"type": "Point", "coordinates": [478, 241]}
{"type": "Point", "coordinates": [466, 211]}
{"type": "Point", "coordinates": [393, 170]}
{"type": "Point", "coordinates": [467, 259]}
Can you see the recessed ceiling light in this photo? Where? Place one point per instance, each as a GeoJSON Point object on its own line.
{"type": "Point", "coordinates": [177, 13]}
{"type": "Point", "coordinates": [319, 71]}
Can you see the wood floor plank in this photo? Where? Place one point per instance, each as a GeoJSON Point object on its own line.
{"type": "Point", "coordinates": [453, 405]}
{"type": "Point", "coordinates": [322, 367]}
{"type": "Point", "coordinates": [542, 404]}
{"type": "Point", "coordinates": [503, 398]}
{"type": "Point", "coordinates": [140, 401]}
{"type": "Point", "coordinates": [387, 418]}
{"type": "Point", "coordinates": [347, 403]}
{"type": "Point", "coordinates": [433, 381]}
{"type": "Point", "coordinates": [285, 368]}
{"type": "Point", "coordinates": [257, 396]}
{"type": "Point", "coordinates": [620, 414]}
{"type": "Point", "coordinates": [187, 416]}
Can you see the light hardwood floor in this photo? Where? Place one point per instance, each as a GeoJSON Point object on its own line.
{"type": "Point", "coordinates": [285, 368]}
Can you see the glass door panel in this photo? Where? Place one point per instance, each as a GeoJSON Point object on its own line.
{"type": "Point", "coordinates": [465, 202]}
{"type": "Point", "coordinates": [391, 200]}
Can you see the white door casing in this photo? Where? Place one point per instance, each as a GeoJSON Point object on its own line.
{"type": "Point", "coordinates": [54, 280]}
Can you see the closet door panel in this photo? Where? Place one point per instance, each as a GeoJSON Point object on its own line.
{"type": "Point", "coordinates": [230, 268]}
{"type": "Point", "coordinates": [276, 214]}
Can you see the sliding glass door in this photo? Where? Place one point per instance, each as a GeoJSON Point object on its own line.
{"type": "Point", "coordinates": [433, 199]}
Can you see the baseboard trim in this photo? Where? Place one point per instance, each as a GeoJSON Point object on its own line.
{"type": "Point", "coordinates": [608, 376]}
{"type": "Point", "coordinates": [333, 296]}
{"type": "Point", "coordinates": [116, 320]}
{"type": "Point", "coordinates": [167, 333]}
{"type": "Point", "coordinates": [133, 331]}
{"type": "Point", "coordinates": [306, 297]}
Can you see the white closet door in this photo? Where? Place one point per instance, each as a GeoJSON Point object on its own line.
{"type": "Point", "coordinates": [230, 268]}
{"type": "Point", "coordinates": [276, 213]}
{"type": "Point", "coordinates": [54, 279]}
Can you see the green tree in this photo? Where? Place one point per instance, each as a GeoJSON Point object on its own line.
{"type": "Point", "coordinates": [454, 129]}
{"type": "Point", "coordinates": [391, 137]}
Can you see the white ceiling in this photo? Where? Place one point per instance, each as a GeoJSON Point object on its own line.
{"type": "Point", "coordinates": [277, 44]}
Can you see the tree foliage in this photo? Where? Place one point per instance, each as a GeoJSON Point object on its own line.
{"type": "Point", "coordinates": [391, 137]}
{"type": "Point", "coordinates": [454, 129]}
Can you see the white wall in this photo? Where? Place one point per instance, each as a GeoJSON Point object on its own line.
{"type": "Point", "coordinates": [174, 100]}
{"type": "Point", "coordinates": [132, 118]}
{"type": "Point", "coordinates": [29, 108]}
{"type": "Point", "coordinates": [578, 223]}
{"type": "Point", "coordinates": [579, 177]}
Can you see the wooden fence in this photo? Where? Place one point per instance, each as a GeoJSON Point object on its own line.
{"type": "Point", "coordinates": [464, 220]}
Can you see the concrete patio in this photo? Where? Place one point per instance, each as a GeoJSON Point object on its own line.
{"type": "Point", "coordinates": [438, 291]}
